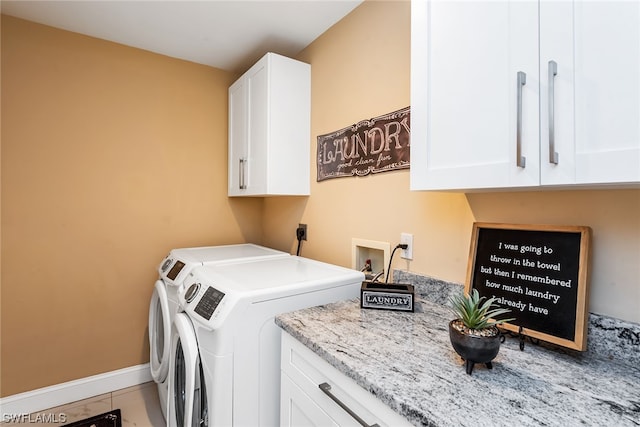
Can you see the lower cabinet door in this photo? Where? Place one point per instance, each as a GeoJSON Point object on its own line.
{"type": "Point", "coordinates": [297, 409]}
{"type": "Point", "coordinates": [314, 393]}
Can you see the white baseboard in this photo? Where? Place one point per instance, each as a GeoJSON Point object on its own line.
{"type": "Point", "coordinates": [83, 388]}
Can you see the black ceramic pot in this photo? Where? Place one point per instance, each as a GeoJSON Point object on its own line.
{"type": "Point", "coordinates": [474, 349]}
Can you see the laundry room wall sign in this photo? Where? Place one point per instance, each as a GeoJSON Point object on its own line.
{"type": "Point", "coordinates": [380, 144]}
{"type": "Point", "coordinates": [540, 273]}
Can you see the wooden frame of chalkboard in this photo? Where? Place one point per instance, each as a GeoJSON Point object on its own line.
{"type": "Point", "coordinates": [540, 273]}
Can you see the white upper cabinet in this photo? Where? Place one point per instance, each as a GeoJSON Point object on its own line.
{"type": "Point", "coordinates": [269, 129]}
{"type": "Point", "coordinates": [508, 94]}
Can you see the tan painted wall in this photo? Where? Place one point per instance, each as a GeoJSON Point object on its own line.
{"type": "Point", "coordinates": [360, 69]}
{"type": "Point", "coordinates": [111, 156]}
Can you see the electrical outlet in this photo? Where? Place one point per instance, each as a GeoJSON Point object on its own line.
{"type": "Point", "coordinates": [301, 232]}
{"type": "Point", "coordinates": [407, 239]}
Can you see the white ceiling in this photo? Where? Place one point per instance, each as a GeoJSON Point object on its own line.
{"type": "Point", "coordinates": [226, 34]}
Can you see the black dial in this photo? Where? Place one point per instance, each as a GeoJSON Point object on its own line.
{"type": "Point", "coordinates": [192, 292]}
{"type": "Point", "coordinates": [166, 265]}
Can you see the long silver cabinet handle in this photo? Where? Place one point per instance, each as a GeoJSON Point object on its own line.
{"type": "Point", "coordinates": [520, 159]}
{"type": "Point", "coordinates": [242, 184]}
{"type": "Point", "coordinates": [326, 389]}
{"type": "Point", "coordinates": [553, 72]}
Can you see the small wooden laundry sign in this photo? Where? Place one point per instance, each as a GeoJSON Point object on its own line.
{"type": "Point", "coordinates": [376, 145]}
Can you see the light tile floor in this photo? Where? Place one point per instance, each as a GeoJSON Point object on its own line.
{"type": "Point", "coordinates": [139, 406]}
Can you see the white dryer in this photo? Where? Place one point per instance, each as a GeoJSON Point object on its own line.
{"type": "Point", "coordinates": [225, 367]}
{"type": "Point", "coordinates": [164, 300]}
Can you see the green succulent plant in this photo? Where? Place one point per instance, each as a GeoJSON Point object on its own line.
{"type": "Point", "coordinates": [476, 314]}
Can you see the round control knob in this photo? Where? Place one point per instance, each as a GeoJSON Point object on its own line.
{"type": "Point", "coordinates": [192, 292]}
{"type": "Point", "coordinates": [166, 265]}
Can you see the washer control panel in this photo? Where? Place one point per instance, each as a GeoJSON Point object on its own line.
{"type": "Point", "coordinates": [209, 301]}
{"type": "Point", "coordinates": [209, 298]}
{"type": "Point", "coordinates": [172, 270]}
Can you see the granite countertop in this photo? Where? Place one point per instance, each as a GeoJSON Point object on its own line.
{"type": "Point", "coordinates": [407, 361]}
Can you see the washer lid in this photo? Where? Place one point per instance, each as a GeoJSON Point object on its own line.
{"type": "Point", "coordinates": [276, 275]}
{"type": "Point", "coordinates": [212, 254]}
{"type": "Point", "coordinates": [212, 295]}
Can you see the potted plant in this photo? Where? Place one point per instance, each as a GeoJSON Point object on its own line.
{"type": "Point", "coordinates": [474, 334]}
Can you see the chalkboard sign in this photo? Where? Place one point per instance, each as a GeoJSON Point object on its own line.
{"type": "Point", "coordinates": [540, 273]}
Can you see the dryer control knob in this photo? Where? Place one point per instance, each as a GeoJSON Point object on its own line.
{"type": "Point", "coordinates": [166, 264]}
{"type": "Point", "coordinates": [192, 292]}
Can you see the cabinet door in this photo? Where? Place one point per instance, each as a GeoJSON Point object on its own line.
{"type": "Point", "coordinates": [592, 109]}
{"type": "Point", "coordinates": [248, 117]}
{"type": "Point", "coordinates": [298, 409]}
{"type": "Point", "coordinates": [258, 136]}
{"type": "Point", "coordinates": [238, 116]}
{"type": "Point", "coordinates": [303, 401]}
{"type": "Point", "coordinates": [607, 64]}
{"type": "Point", "coordinates": [557, 93]}
{"type": "Point", "coordinates": [248, 142]}
{"type": "Point", "coordinates": [466, 58]}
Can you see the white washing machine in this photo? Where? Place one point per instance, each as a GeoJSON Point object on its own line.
{"type": "Point", "coordinates": [164, 301]}
{"type": "Point", "coordinates": [225, 368]}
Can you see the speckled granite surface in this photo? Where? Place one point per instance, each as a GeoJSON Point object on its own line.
{"type": "Point", "coordinates": [406, 360]}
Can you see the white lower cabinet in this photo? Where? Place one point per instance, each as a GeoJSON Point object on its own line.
{"type": "Point", "coordinates": [314, 393]}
